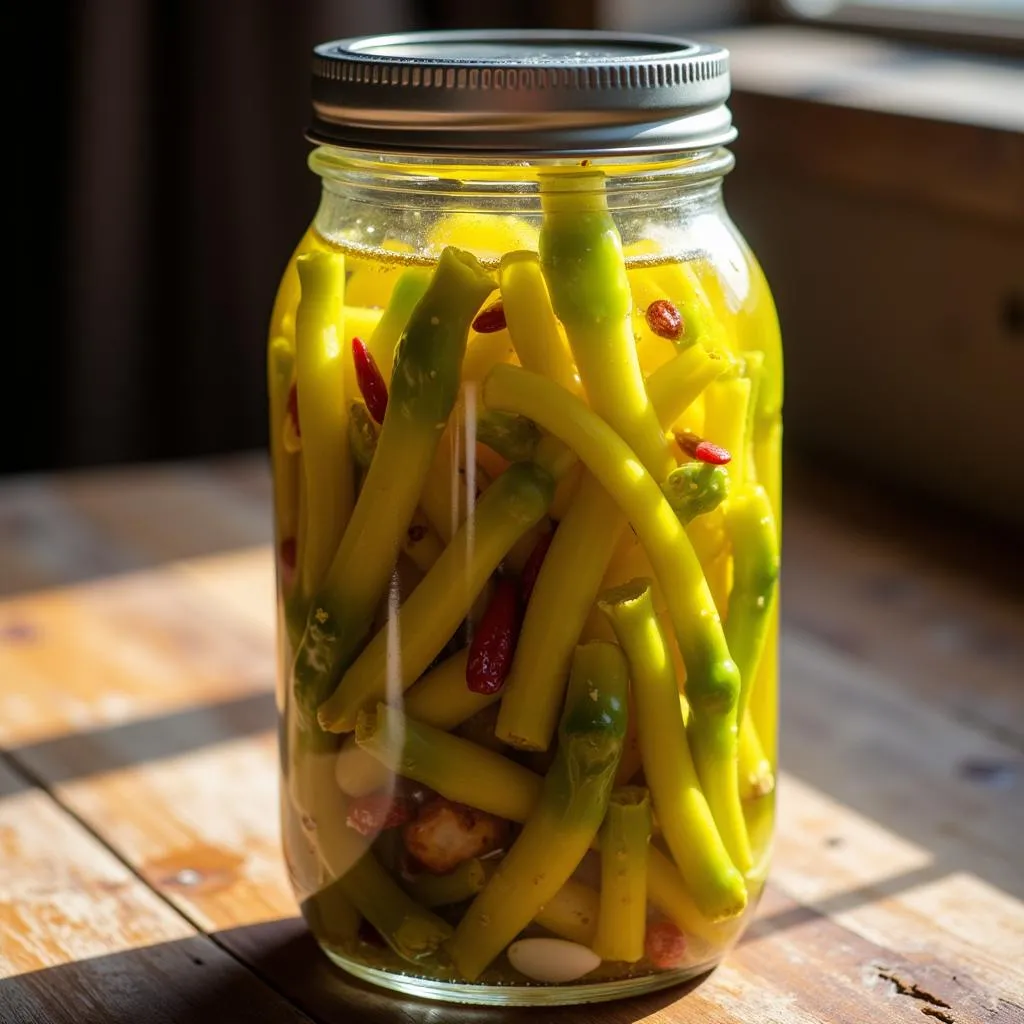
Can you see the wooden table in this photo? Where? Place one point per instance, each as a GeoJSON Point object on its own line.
{"type": "Point", "coordinates": [140, 879]}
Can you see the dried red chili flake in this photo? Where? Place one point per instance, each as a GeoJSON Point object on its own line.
{"type": "Point", "coordinates": [665, 320]}
{"type": "Point", "coordinates": [376, 812]}
{"type": "Point", "coordinates": [704, 451]}
{"type": "Point", "coordinates": [494, 643]}
{"type": "Point", "coordinates": [490, 319]}
{"type": "Point", "coordinates": [371, 381]}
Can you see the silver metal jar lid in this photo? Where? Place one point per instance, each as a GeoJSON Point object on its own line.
{"type": "Point", "coordinates": [520, 93]}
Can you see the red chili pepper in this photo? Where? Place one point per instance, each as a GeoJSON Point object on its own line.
{"type": "Point", "coordinates": [288, 558]}
{"type": "Point", "coordinates": [376, 812]}
{"type": "Point", "coordinates": [490, 653]}
{"type": "Point", "coordinates": [371, 380]}
{"type": "Point", "coordinates": [665, 320]}
{"type": "Point", "coordinates": [532, 568]}
{"type": "Point", "coordinates": [490, 319]}
{"type": "Point", "coordinates": [292, 409]}
{"type": "Point", "coordinates": [704, 451]}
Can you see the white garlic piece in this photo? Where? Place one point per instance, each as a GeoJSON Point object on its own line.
{"type": "Point", "coordinates": [554, 961]}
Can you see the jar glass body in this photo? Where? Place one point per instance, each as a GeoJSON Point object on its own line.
{"type": "Point", "coordinates": [527, 626]}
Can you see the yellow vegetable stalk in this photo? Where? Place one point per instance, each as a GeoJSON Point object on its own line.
{"type": "Point", "coordinates": [508, 789]}
{"type": "Point", "coordinates": [510, 506]}
{"type": "Point", "coordinates": [756, 573]}
{"type": "Point", "coordinates": [581, 258]}
{"type": "Point", "coordinates": [562, 598]}
{"type": "Point", "coordinates": [280, 370]}
{"type": "Point", "coordinates": [571, 913]}
{"type": "Point", "coordinates": [667, 891]}
{"type": "Point", "coordinates": [683, 813]}
{"type": "Point", "coordinates": [454, 767]}
{"type": "Point", "coordinates": [321, 358]}
{"type": "Point", "coordinates": [420, 543]}
{"type": "Point", "coordinates": [440, 699]}
{"type": "Point", "coordinates": [712, 677]}
{"type": "Point", "coordinates": [410, 287]}
{"type": "Point", "coordinates": [531, 321]}
{"type": "Point", "coordinates": [423, 392]}
{"type": "Point", "coordinates": [757, 777]}
{"type": "Point", "coordinates": [625, 836]}
{"type": "Point", "coordinates": [566, 818]}
{"type": "Point", "coordinates": [485, 351]}
{"type": "Point", "coordinates": [677, 384]}
{"type": "Point", "coordinates": [725, 420]}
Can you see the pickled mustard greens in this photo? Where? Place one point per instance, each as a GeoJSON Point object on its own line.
{"type": "Point", "coordinates": [539, 440]}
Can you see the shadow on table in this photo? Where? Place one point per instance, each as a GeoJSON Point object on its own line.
{"type": "Point", "coordinates": [189, 981]}
{"type": "Point", "coordinates": [195, 981]}
{"type": "Point", "coordinates": [285, 952]}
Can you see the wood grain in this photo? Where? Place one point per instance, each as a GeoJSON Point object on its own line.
{"type": "Point", "coordinates": [84, 940]}
{"type": "Point", "coordinates": [144, 702]}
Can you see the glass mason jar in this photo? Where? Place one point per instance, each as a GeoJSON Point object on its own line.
{"type": "Point", "coordinates": [525, 390]}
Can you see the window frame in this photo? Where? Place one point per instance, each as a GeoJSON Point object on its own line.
{"type": "Point", "coordinates": [985, 33]}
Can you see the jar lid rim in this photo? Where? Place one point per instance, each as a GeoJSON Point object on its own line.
{"type": "Point", "coordinates": [520, 92]}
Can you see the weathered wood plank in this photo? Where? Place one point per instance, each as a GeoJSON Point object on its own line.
{"type": "Point", "coordinates": [82, 939]}
{"type": "Point", "coordinates": [895, 868]}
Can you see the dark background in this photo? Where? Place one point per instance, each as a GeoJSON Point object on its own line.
{"type": "Point", "coordinates": [175, 186]}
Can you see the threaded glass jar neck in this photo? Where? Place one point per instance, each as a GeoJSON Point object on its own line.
{"type": "Point", "coordinates": [387, 204]}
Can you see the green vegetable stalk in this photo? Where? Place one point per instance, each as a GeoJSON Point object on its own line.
{"type": "Point", "coordinates": [410, 287]}
{"type": "Point", "coordinates": [510, 506]}
{"type": "Point", "coordinates": [450, 765]}
{"type": "Point", "coordinates": [696, 488]}
{"type": "Point", "coordinates": [683, 813]}
{"type": "Point", "coordinates": [362, 434]}
{"type": "Point", "coordinates": [331, 915]}
{"type": "Point", "coordinates": [512, 437]}
{"type": "Point", "coordinates": [566, 819]}
{"type": "Point", "coordinates": [462, 883]}
{"type": "Point", "coordinates": [423, 391]}
{"type": "Point", "coordinates": [320, 370]}
{"type": "Point", "coordinates": [625, 836]}
{"type": "Point", "coordinates": [712, 678]}
{"type": "Point", "coordinates": [755, 549]}
{"type": "Point", "coordinates": [440, 699]}
{"type": "Point", "coordinates": [411, 931]}
{"type": "Point", "coordinates": [570, 914]}
{"type": "Point", "coordinates": [581, 258]}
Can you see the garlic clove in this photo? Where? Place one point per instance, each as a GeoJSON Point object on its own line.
{"type": "Point", "coordinates": [554, 961]}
